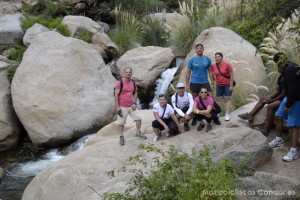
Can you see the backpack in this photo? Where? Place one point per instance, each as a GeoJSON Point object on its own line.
{"type": "Point", "coordinates": [121, 87]}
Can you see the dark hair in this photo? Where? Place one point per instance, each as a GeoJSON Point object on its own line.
{"type": "Point", "coordinates": [162, 95]}
{"type": "Point", "coordinates": [219, 53]}
{"type": "Point", "coordinates": [197, 45]}
{"type": "Point", "coordinates": [280, 57]}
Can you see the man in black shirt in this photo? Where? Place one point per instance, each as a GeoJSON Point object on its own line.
{"type": "Point", "coordinates": [290, 106]}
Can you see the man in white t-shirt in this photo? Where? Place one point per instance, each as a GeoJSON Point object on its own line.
{"type": "Point", "coordinates": [182, 102]}
{"type": "Point", "coordinates": [165, 119]}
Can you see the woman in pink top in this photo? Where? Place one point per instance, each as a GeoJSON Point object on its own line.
{"type": "Point", "coordinates": [203, 111]}
{"type": "Point", "coordinates": [224, 79]}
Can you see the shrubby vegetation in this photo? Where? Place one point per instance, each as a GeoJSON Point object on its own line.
{"type": "Point", "coordinates": [176, 175]}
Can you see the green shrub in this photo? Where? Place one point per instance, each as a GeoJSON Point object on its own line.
{"type": "Point", "coordinates": [11, 72]}
{"type": "Point", "coordinates": [63, 29]}
{"type": "Point", "coordinates": [177, 175]}
{"type": "Point", "coordinates": [84, 34]}
{"type": "Point", "coordinates": [16, 53]}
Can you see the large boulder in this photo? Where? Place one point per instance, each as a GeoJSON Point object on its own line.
{"type": "Point", "coordinates": [85, 171]}
{"type": "Point", "coordinates": [247, 63]}
{"type": "Point", "coordinates": [9, 124]}
{"type": "Point", "coordinates": [147, 63]}
{"type": "Point", "coordinates": [32, 32]}
{"type": "Point", "coordinates": [11, 32]}
{"type": "Point", "coordinates": [102, 40]}
{"type": "Point", "coordinates": [10, 7]}
{"type": "Point", "coordinates": [62, 93]}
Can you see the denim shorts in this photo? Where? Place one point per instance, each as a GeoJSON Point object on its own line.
{"type": "Point", "coordinates": [292, 117]}
{"type": "Point", "coordinates": [223, 91]}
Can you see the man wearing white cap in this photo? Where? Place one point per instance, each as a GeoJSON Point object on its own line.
{"type": "Point", "coordinates": [182, 102]}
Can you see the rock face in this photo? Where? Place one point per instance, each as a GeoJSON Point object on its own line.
{"type": "Point", "coordinates": [147, 63]}
{"type": "Point", "coordinates": [9, 126]}
{"type": "Point", "coordinates": [88, 167]}
{"type": "Point", "coordinates": [268, 186]}
{"type": "Point", "coordinates": [32, 32]}
{"type": "Point", "coordinates": [61, 89]}
{"type": "Point", "coordinates": [10, 30]}
{"type": "Point", "coordinates": [247, 63]}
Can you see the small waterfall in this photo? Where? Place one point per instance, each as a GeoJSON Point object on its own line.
{"type": "Point", "coordinates": [162, 84]}
{"type": "Point", "coordinates": [111, 64]}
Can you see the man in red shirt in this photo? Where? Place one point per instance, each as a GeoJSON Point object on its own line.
{"type": "Point", "coordinates": [125, 99]}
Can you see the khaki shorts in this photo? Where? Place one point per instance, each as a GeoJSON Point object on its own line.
{"type": "Point", "coordinates": [128, 111]}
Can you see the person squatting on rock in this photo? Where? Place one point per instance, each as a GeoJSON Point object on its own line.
{"type": "Point", "coordinates": [165, 119]}
{"type": "Point", "coordinates": [204, 108]}
{"type": "Point", "coordinates": [183, 102]}
{"type": "Point", "coordinates": [274, 100]}
{"type": "Point", "coordinates": [198, 69]}
{"type": "Point", "coordinates": [223, 76]}
{"type": "Point", "coordinates": [125, 99]}
{"type": "Point", "coordinates": [289, 108]}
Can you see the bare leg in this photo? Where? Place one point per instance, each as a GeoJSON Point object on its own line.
{"type": "Point", "coordinates": [272, 107]}
{"type": "Point", "coordinates": [156, 131]}
{"type": "Point", "coordinates": [121, 130]}
{"type": "Point", "coordinates": [260, 104]}
{"type": "Point", "coordinates": [228, 105]}
{"type": "Point", "coordinates": [279, 126]}
{"type": "Point", "coordinates": [295, 136]}
{"type": "Point", "coordinates": [138, 125]}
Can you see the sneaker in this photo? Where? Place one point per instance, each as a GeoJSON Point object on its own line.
{"type": "Point", "coordinates": [194, 122]}
{"type": "Point", "coordinates": [186, 127]}
{"type": "Point", "coordinates": [208, 127]}
{"type": "Point", "coordinates": [216, 121]}
{"type": "Point", "coordinates": [227, 117]}
{"type": "Point", "coordinates": [155, 139]}
{"type": "Point", "coordinates": [290, 156]}
{"type": "Point", "coordinates": [141, 135]}
{"type": "Point", "coordinates": [246, 116]}
{"type": "Point", "coordinates": [122, 140]}
{"type": "Point", "coordinates": [200, 127]}
{"type": "Point", "coordinates": [276, 143]}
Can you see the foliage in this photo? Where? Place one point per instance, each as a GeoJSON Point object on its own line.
{"type": "Point", "coordinates": [16, 53]}
{"type": "Point", "coordinates": [11, 72]}
{"type": "Point", "coordinates": [176, 175]}
{"type": "Point", "coordinates": [83, 34]}
{"type": "Point", "coordinates": [126, 34]}
{"type": "Point", "coordinates": [153, 32]}
{"type": "Point", "coordinates": [47, 22]}
{"type": "Point", "coordinates": [48, 8]}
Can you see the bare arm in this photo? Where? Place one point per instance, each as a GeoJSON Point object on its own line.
{"type": "Point", "coordinates": [202, 112]}
{"type": "Point", "coordinates": [187, 78]}
{"type": "Point", "coordinates": [117, 92]}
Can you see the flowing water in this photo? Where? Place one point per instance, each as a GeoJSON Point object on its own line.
{"type": "Point", "coordinates": [23, 164]}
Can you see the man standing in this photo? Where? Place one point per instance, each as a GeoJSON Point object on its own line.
{"type": "Point", "coordinates": [290, 106]}
{"type": "Point", "coordinates": [125, 99]}
{"type": "Point", "coordinates": [198, 68]}
{"type": "Point", "coordinates": [182, 102]}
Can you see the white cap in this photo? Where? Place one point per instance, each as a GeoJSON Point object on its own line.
{"type": "Point", "coordinates": [180, 85]}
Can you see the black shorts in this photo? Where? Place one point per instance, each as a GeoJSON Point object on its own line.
{"type": "Point", "coordinates": [196, 87]}
{"type": "Point", "coordinates": [169, 122]}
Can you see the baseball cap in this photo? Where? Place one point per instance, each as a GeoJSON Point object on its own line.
{"type": "Point", "coordinates": [180, 85]}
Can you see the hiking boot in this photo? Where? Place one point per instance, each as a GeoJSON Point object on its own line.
{"type": "Point", "coordinates": [216, 121]}
{"type": "Point", "coordinates": [141, 135]}
{"type": "Point", "coordinates": [246, 116]}
{"type": "Point", "coordinates": [194, 122]}
{"type": "Point", "coordinates": [227, 117]}
{"type": "Point", "coordinates": [156, 138]}
{"type": "Point", "coordinates": [290, 156]}
{"type": "Point", "coordinates": [122, 140]}
{"type": "Point", "coordinates": [208, 128]}
{"type": "Point", "coordinates": [186, 127]}
{"type": "Point", "coordinates": [200, 127]}
{"type": "Point", "coordinates": [275, 143]}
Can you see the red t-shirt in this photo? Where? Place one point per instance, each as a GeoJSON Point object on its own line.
{"type": "Point", "coordinates": [126, 95]}
{"type": "Point", "coordinates": [225, 68]}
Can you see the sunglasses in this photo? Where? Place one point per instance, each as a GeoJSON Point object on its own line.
{"type": "Point", "coordinates": [203, 92]}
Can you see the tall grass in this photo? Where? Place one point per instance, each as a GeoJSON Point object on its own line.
{"type": "Point", "coordinates": [126, 34]}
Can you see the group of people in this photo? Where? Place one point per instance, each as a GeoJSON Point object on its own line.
{"type": "Point", "coordinates": [200, 105]}
{"type": "Point", "coordinates": [283, 104]}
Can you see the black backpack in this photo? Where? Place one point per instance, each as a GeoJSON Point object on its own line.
{"type": "Point", "coordinates": [121, 87]}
